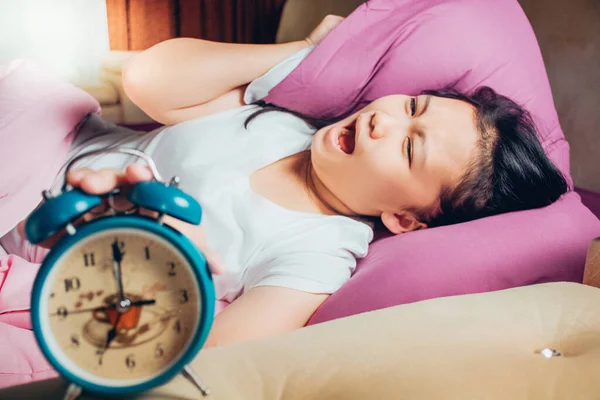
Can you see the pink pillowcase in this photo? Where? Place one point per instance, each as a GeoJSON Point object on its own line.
{"type": "Point", "coordinates": [38, 115]}
{"type": "Point", "coordinates": [388, 47]}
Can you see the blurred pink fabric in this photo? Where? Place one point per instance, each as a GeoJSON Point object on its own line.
{"type": "Point", "coordinates": [38, 116]}
{"type": "Point", "coordinates": [22, 360]}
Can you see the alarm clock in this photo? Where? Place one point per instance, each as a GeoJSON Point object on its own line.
{"type": "Point", "coordinates": [121, 303]}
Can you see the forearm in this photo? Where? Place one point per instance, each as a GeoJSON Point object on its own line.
{"type": "Point", "coordinates": [261, 312]}
{"type": "Point", "coordinates": [184, 72]}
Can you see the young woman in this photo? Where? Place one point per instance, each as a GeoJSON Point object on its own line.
{"type": "Point", "coordinates": [288, 208]}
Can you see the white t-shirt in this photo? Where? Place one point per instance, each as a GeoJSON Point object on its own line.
{"type": "Point", "coordinates": [260, 242]}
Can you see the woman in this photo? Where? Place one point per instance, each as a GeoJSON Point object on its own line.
{"type": "Point", "coordinates": [288, 209]}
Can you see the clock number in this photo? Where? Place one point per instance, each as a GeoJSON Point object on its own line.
{"type": "Point", "coordinates": [62, 312]}
{"type": "Point", "coordinates": [177, 326]}
{"type": "Point", "coordinates": [130, 361]}
{"type": "Point", "coordinates": [159, 351]}
{"type": "Point", "coordinates": [75, 340]}
{"type": "Point", "coordinates": [100, 353]}
{"type": "Point", "coordinates": [147, 250]}
{"type": "Point", "coordinates": [72, 284]}
{"type": "Point", "coordinates": [184, 296]}
{"type": "Point", "coordinates": [88, 259]}
{"type": "Point", "coordinates": [172, 270]}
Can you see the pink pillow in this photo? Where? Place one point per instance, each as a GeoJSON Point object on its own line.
{"type": "Point", "coordinates": [38, 114]}
{"type": "Point", "coordinates": [388, 47]}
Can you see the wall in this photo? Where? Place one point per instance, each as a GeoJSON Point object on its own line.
{"type": "Point", "coordinates": [569, 37]}
{"type": "Point", "coordinates": [294, 28]}
{"type": "Point", "coordinates": [68, 37]}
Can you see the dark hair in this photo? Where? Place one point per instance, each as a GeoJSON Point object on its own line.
{"type": "Point", "coordinates": [510, 173]}
{"type": "Point", "coordinates": [266, 107]}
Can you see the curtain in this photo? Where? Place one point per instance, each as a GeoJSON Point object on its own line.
{"type": "Point", "coordinates": [139, 24]}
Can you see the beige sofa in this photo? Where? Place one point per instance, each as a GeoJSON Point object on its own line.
{"type": "Point", "coordinates": [484, 346]}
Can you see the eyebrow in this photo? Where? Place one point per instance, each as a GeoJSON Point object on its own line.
{"type": "Point", "coordinates": [427, 101]}
{"type": "Point", "coordinates": [421, 134]}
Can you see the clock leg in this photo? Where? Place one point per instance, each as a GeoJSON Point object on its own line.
{"type": "Point", "coordinates": [189, 373]}
{"type": "Point", "coordinates": [73, 392]}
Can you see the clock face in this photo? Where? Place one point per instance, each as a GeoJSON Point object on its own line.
{"type": "Point", "coordinates": [80, 318]}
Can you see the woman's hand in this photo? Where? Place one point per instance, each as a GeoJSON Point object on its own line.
{"type": "Point", "coordinates": [106, 180]}
{"type": "Point", "coordinates": [326, 26]}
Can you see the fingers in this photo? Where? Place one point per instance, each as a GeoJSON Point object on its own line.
{"type": "Point", "coordinates": [96, 182]}
{"type": "Point", "coordinates": [99, 182]}
{"type": "Point", "coordinates": [137, 173]}
{"type": "Point", "coordinates": [105, 180]}
{"type": "Point", "coordinates": [21, 229]}
{"type": "Point", "coordinates": [333, 19]}
{"type": "Point", "coordinates": [75, 176]}
{"type": "Point", "coordinates": [326, 25]}
{"type": "Point", "coordinates": [102, 181]}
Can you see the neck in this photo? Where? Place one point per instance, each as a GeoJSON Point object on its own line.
{"type": "Point", "coordinates": [326, 202]}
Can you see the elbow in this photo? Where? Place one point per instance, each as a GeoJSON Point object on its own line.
{"type": "Point", "coordinates": [129, 75]}
{"type": "Point", "coordinates": [145, 76]}
{"type": "Point", "coordinates": [137, 70]}
{"type": "Point", "coordinates": [134, 80]}
{"type": "Point", "coordinates": [137, 87]}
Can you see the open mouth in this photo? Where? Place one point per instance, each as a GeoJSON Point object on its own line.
{"type": "Point", "coordinates": [346, 138]}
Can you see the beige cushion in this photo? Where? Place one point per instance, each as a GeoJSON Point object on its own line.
{"type": "Point", "coordinates": [483, 346]}
{"type": "Point", "coordinates": [300, 17]}
{"type": "Point", "coordinates": [103, 92]}
{"type": "Point", "coordinates": [112, 113]}
{"type": "Point", "coordinates": [114, 60]}
{"type": "Point", "coordinates": [109, 92]}
{"type": "Point", "coordinates": [130, 113]}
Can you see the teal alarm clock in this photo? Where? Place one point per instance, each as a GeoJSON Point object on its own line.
{"type": "Point", "coordinates": [121, 303]}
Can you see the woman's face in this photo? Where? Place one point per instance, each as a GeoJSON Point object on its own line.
{"type": "Point", "coordinates": [396, 154]}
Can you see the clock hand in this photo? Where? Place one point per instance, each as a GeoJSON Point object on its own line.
{"type": "Point", "coordinates": [117, 258]}
{"type": "Point", "coordinates": [143, 302]}
{"type": "Point", "coordinates": [104, 308]}
{"type": "Point", "coordinates": [112, 334]}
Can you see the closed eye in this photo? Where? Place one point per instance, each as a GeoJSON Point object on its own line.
{"type": "Point", "coordinates": [409, 151]}
{"type": "Point", "coordinates": [413, 106]}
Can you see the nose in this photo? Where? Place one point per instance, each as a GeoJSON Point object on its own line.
{"type": "Point", "coordinates": [383, 124]}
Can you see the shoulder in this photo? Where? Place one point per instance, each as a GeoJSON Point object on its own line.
{"type": "Point", "coordinates": [332, 235]}
{"type": "Point", "coordinates": [315, 254]}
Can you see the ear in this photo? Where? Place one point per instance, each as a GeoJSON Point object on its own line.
{"type": "Point", "coordinates": [401, 222]}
